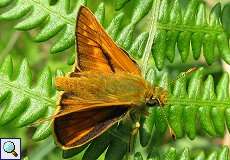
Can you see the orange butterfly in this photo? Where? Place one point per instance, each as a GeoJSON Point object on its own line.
{"type": "Point", "coordinates": [105, 86]}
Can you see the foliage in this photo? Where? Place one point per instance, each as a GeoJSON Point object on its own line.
{"type": "Point", "coordinates": [198, 105]}
{"type": "Point", "coordinates": [25, 104]}
{"type": "Point", "coordinates": [55, 19]}
{"type": "Point", "coordinates": [172, 28]}
{"type": "Point", "coordinates": [185, 154]}
{"type": "Point", "coordinates": [191, 28]}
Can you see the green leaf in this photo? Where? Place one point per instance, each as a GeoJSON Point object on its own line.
{"type": "Point", "coordinates": [138, 46]}
{"type": "Point", "coordinates": [4, 2]}
{"type": "Point", "coordinates": [174, 29]}
{"type": "Point", "coordinates": [190, 101]}
{"type": "Point", "coordinates": [224, 154]}
{"type": "Point", "coordinates": [171, 154]}
{"type": "Point", "coordinates": [117, 148]}
{"type": "Point", "coordinates": [100, 13]}
{"type": "Point", "coordinates": [202, 103]}
{"type": "Point", "coordinates": [138, 156]}
{"type": "Point", "coordinates": [141, 10]}
{"type": "Point", "coordinates": [147, 124]}
{"type": "Point", "coordinates": [26, 104]}
{"type": "Point", "coordinates": [225, 19]}
{"type": "Point", "coordinates": [53, 18]}
{"type": "Point", "coordinates": [212, 156]}
{"type": "Point", "coordinates": [120, 4]}
{"type": "Point", "coordinates": [114, 26]}
{"type": "Point", "coordinates": [72, 152]}
{"type": "Point", "coordinates": [200, 156]}
{"type": "Point", "coordinates": [126, 36]}
{"type": "Point", "coordinates": [97, 147]}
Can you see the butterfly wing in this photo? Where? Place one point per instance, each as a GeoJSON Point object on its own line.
{"type": "Point", "coordinates": [96, 50]}
{"type": "Point", "coordinates": [90, 103]}
{"type": "Point", "coordinates": [91, 90]}
{"type": "Point", "coordinates": [77, 128]}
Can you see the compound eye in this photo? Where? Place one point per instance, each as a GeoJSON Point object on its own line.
{"type": "Point", "coordinates": [152, 102]}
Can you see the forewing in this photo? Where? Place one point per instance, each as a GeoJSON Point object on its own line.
{"type": "Point", "coordinates": [96, 50]}
{"type": "Point", "coordinates": [77, 128]}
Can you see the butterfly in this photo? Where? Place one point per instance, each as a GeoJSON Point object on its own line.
{"type": "Point", "coordinates": [105, 85]}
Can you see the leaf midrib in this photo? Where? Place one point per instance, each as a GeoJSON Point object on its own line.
{"type": "Point", "coordinates": [198, 102]}
{"type": "Point", "coordinates": [191, 28]}
{"type": "Point", "coordinates": [28, 92]}
{"type": "Point", "coordinates": [51, 12]}
{"type": "Point", "coordinates": [171, 27]}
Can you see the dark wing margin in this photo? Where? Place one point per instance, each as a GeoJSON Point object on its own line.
{"type": "Point", "coordinates": [96, 50]}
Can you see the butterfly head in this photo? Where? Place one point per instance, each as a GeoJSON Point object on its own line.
{"type": "Point", "coordinates": [155, 96]}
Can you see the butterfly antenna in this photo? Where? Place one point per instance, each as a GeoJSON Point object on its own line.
{"type": "Point", "coordinates": [172, 133]}
{"type": "Point", "coordinates": [191, 70]}
{"type": "Point", "coordinates": [41, 121]}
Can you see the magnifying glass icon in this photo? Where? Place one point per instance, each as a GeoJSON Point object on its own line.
{"type": "Point", "coordinates": [9, 147]}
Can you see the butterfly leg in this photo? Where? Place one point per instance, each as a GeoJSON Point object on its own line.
{"type": "Point", "coordinates": [132, 139]}
{"type": "Point", "coordinates": [133, 134]}
{"type": "Point", "coordinates": [135, 128]}
{"type": "Point", "coordinates": [172, 133]}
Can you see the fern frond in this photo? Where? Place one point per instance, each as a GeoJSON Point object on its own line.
{"type": "Point", "coordinates": [91, 152]}
{"type": "Point", "coordinates": [188, 102]}
{"type": "Point", "coordinates": [192, 102]}
{"type": "Point", "coordinates": [225, 18]}
{"type": "Point", "coordinates": [172, 27]}
{"type": "Point", "coordinates": [125, 37]}
{"type": "Point", "coordinates": [26, 104]}
{"type": "Point", "coordinates": [191, 27]}
{"type": "Point", "coordinates": [53, 18]}
{"type": "Point", "coordinates": [119, 4]}
{"type": "Point", "coordinates": [172, 154]}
